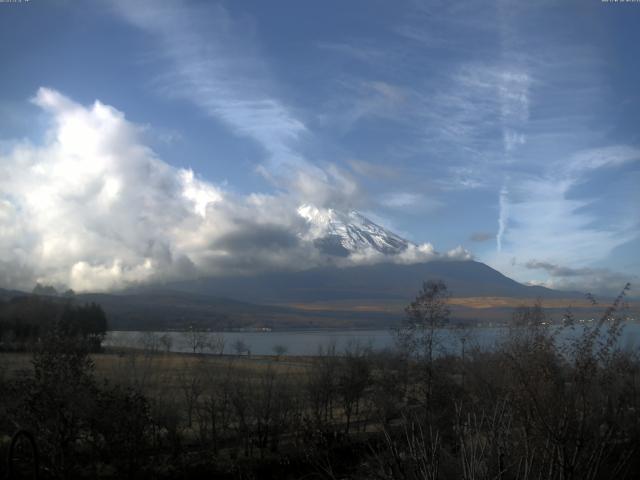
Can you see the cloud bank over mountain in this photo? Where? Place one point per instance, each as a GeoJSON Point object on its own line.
{"type": "Point", "coordinates": [589, 279]}
{"type": "Point", "coordinates": [92, 207]}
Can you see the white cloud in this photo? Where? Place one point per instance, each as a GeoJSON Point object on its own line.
{"type": "Point", "coordinates": [459, 254]}
{"type": "Point", "coordinates": [425, 252]}
{"type": "Point", "coordinates": [199, 192]}
{"type": "Point", "coordinates": [414, 253]}
{"type": "Point", "coordinates": [93, 208]}
{"type": "Point", "coordinates": [331, 187]}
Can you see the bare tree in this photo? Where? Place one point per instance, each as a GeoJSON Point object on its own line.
{"type": "Point", "coordinates": [417, 335]}
{"type": "Point", "coordinates": [215, 411]}
{"type": "Point", "coordinates": [322, 385]}
{"type": "Point", "coordinates": [166, 341]}
{"type": "Point", "coordinates": [280, 350]}
{"type": "Point", "coordinates": [413, 453]}
{"type": "Point", "coordinates": [192, 386]}
{"type": "Point", "coordinates": [240, 347]}
{"type": "Point", "coordinates": [216, 343]}
{"type": "Point", "coordinates": [150, 342]}
{"type": "Point", "coordinates": [196, 340]}
{"type": "Point", "coordinates": [353, 379]}
{"type": "Point", "coordinates": [241, 397]}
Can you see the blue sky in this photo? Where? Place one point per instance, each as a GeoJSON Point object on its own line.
{"type": "Point", "coordinates": [510, 128]}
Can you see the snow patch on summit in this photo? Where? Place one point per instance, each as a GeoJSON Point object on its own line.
{"type": "Point", "coordinates": [354, 236]}
{"type": "Point", "coordinates": [341, 234]}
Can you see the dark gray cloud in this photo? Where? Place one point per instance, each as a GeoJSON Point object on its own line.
{"type": "Point", "coordinates": [257, 237]}
{"type": "Point", "coordinates": [561, 271]}
{"type": "Point", "coordinates": [585, 279]}
{"type": "Point", "coordinates": [481, 236]}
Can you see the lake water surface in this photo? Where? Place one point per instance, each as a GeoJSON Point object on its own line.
{"type": "Point", "coordinates": [308, 342]}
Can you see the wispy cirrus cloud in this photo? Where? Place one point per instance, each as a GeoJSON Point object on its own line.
{"type": "Point", "coordinates": [546, 218]}
{"type": "Point", "coordinates": [514, 116]}
{"type": "Point", "coordinates": [212, 60]}
{"type": "Point", "coordinates": [467, 113]}
{"type": "Point", "coordinates": [542, 218]}
{"type": "Point", "coordinates": [584, 161]}
{"type": "Point", "coordinates": [214, 64]}
{"type": "Point", "coordinates": [415, 203]}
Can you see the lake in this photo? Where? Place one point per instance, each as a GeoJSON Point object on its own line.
{"type": "Point", "coordinates": [308, 342]}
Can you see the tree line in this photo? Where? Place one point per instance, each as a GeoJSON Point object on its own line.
{"type": "Point", "coordinates": [25, 320]}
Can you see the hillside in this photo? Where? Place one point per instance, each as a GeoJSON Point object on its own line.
{"type": "Point", "coordinates": [386, 281]}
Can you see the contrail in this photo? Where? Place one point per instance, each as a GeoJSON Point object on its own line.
{"type": "Point", "coordinates": [502, 217]}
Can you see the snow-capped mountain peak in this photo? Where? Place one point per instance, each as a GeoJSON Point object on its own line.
{"type": "Point", "coordinates": [339, 233]}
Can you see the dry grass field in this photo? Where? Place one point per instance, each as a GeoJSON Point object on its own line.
{"type": "Point", "coordinates": [166, 371]}
{"type": "Point", "coordinates": [386, 306]}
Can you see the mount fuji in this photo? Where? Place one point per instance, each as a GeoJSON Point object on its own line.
{"type": "Point", "coordinates": [372, 276]}
{"type": "Point", "coordinates": [371, 264]}
{"type": "Point", "coordinates": [341, 234]}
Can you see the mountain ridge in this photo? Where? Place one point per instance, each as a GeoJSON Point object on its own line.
{"type": "Point", "coordinates": [382, 280]}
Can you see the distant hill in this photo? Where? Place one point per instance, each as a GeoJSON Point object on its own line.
{"type": "Point", "coordinates": [162, 309]}
{"type": "Point", "coordinates": [166, 309]}
{"type": "Point", "coordinates": [8, 294]}
{"type": "Point", "coordinates": [385, 281]}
